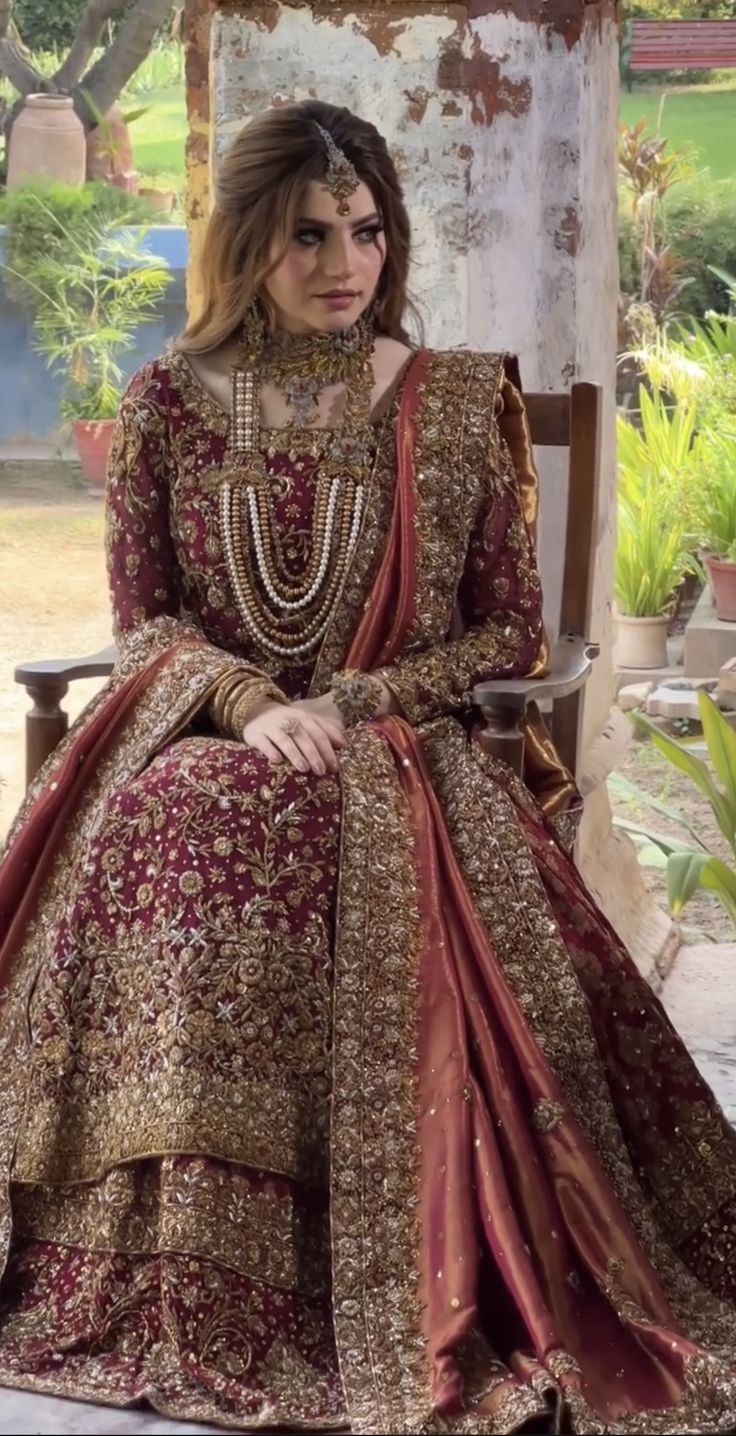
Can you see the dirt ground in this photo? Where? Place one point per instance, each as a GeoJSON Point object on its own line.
{"type": "Point", "coordinates": [53, 603]}
{"type": "Point", "coordinates": [53, 597]}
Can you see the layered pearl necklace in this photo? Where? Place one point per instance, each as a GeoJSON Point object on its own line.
{"type": "Point", "coordinates": [286, 617]}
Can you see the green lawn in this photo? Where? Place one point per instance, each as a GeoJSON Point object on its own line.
{"type": "Point", "coordinates": [701, 119]}
{"type": "Point", "coordinates": [159, 135]}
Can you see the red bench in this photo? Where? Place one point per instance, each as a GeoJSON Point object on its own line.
{"type": "Point", "coordinates": [678, 45]}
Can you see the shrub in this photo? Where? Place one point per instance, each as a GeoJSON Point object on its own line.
{"type": "Point", "coordinates": [89, 288]}
{"type": "Point", "coordinates": [44, 26]}
{"type": "Point", "coordinates": [629, 249]}
{"type": "Point", "coordinates": [651, 550]}
{"type": "Point", "coordinates": [37, 230]}
{"type": "Point", "coordinates": [700, 225]}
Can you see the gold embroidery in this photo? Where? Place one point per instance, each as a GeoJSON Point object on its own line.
{"type": "Point", "coordinates": [377, 1306]}
{"type": "Point", "coordinates": [205, 1025]}
{"type": "Point", "coordinates": [547, 1115]}
{"type": "Point", "coordinates": [267, 1230]}
{"type": "Point", "coordinates": [464, 471]}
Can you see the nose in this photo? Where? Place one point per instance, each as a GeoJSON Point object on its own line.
{"type": "Point", "coordinates": [337, 256]}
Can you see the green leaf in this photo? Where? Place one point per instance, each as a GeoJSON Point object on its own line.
{"type": "Point", "coordinates": [721, 740]}
{"type": "Point", "coordinates": [718, 878]}
{"type": "Point", "coordinates": [665, 845]}
{"type": "Point", "coordinates": [623, 788]}
{"type": "Point", "coordinates": [683, 878]}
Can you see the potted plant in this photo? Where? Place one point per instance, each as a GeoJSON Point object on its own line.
{"type": "Point", "coordinates": [160, 199]}
{"type": "Point", "coordinates": [715, 510]}
{"type": "Point", "coordinates": [88, 296]}
{"type": "Point", "coordinates": [652, 556]}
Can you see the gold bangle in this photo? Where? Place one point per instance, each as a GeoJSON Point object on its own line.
{"type": "Point", "coordinates": [224, 690]}
{"type": "Point", "coordinates": [356, 696]}
{"type": "Point", "coordinates": [246, 704]}
{"type": "Point", "coordinates": [236, 697]}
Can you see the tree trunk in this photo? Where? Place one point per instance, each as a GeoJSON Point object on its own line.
{"type": "Point", "coordinates": [109, 75]}
{"type": "Point", "coordinates": [89, 34]}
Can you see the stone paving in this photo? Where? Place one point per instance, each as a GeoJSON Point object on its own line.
{"type": "Point", "coordinates": [700, 996]}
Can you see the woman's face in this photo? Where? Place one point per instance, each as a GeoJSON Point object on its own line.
{"type": "Point", "coordinates": [329, 273]}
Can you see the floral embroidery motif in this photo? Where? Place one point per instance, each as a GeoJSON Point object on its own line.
{"type": "Point", "coordinates": [547, 1115]}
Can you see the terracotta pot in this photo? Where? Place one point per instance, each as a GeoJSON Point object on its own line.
{"type": "Point", "coordinates": [92, 438]}
{"type": "Point", "coordinates": [47, 142]}
{"type": "Point", "coordinates": [109, 150]}
{"type": "Point", "coordinates": [127, 182]}
{"type": "Point", "coordinates": [641, 642]}
{"type": "Point", "coordinates": [160, 200]}
{"type": "Point", "coordinates": [723, 582]}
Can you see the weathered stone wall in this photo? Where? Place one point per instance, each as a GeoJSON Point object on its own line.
{"type": "Point", "coordinates": [502, 119]}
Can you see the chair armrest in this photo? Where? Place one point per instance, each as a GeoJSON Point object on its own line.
{"type": "Point", "coordinates": [46, 682]}
{"type": "Point", "coordinates": [49, 673]}
{"type": "Point", "coordinates": [570, 664]}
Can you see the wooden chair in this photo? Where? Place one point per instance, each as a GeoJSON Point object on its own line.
{"type": "Point", "coordinates": [571, 421]}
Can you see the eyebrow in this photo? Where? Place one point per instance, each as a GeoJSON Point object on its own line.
{"type": "Point", "coordinates": [356, 223]}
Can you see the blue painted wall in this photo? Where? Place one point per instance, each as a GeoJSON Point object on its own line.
{"type": "Point", "coordinates": [29, 393]}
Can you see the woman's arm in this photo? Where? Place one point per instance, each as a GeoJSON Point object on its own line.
{"type": "Point", "coordinates": [500, 596]}
{"type": "Point", "coordinates": [143, 573]}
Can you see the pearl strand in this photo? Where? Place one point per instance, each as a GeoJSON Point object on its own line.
{"type": "Point", "coordinates": [295, 605]}
{"type": "Point", "coordinates": [265, 643]}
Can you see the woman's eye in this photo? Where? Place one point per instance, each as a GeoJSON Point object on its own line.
{"type": "Point", "coordinates": [370, 235]}
{"type": "Point", "coordinates": [309, 237]}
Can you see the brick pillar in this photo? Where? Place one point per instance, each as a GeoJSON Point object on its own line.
{"type": "Point", "coordinates": [196, 33]}
{"type": "Point", "coordinates": [502, 118]}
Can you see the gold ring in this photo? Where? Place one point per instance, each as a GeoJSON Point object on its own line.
{"type": "Point", "coordinates": [290, 726]}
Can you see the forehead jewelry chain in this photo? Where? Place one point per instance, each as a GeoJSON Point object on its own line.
{"type": "Point", "coordinates": [342, 177]}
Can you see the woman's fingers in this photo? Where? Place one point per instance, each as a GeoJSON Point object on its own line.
{"type": "Point", "coordinates": [267, 748]}
{"type": "Point", "coordinates": [306, 741]}
{"type": "Point", "coordinates": [334, 732]}
{"type": "Point", "coordinates": [322, 742]}
{"type": "Point", "coordinates": [288, 746]}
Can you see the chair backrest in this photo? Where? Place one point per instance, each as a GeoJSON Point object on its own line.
{"type": "Point", "coordinates": [573, 421]}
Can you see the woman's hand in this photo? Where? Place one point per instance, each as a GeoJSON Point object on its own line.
{"type": "Point", "coordinates": [297, 733]}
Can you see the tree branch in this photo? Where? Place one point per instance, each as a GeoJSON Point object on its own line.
{"type": "Point", "coordinates": [6, 15]}
{"type": "Point", "coordinates": [15, 61]}
{"type": "Point", "coordinates": [109, 75]}
{"type": "Point", "coordinates": [89, 34]}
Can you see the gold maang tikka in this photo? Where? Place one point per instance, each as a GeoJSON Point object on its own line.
{"type": "Point", "coordinates": [342, 177]}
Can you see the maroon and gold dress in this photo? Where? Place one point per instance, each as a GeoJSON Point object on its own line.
{"type": "Point", "coordinates": [335, 1102]}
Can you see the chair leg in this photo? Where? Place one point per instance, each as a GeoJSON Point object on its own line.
{"type": "Point", "coordinates": [46, 723]}
{"type": "Point", "coordinates": [502, 738]}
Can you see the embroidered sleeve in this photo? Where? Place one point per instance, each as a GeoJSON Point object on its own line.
{"type": "Point", "coordinates": [143, 572]}
{"type": "Point", "coordinates": [500, 595]}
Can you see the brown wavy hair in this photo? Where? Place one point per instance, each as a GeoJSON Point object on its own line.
{"type": "Point", "coordinates": [259, 186]}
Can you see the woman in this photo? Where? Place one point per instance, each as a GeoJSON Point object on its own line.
{"type": "Point", "coordinates": [332, 1101]}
